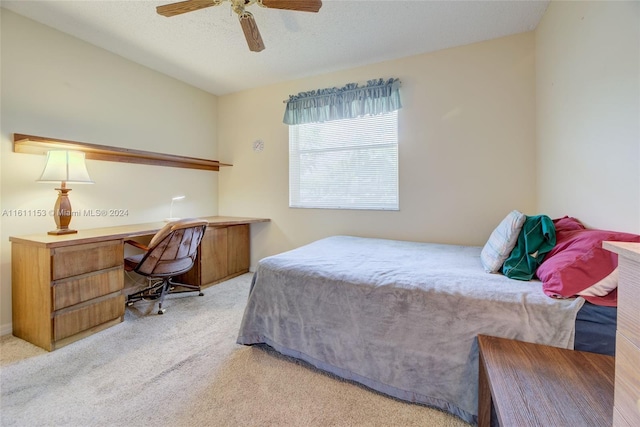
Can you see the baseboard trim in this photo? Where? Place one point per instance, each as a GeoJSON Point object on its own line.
{"type": "Point", "coordinates": [6, 329]}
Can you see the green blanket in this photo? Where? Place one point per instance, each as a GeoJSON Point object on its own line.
{"type": "Point", "coordinates": [536, 239]}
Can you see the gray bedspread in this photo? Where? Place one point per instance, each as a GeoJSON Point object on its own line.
{"type": "Point", "coordinates": [399, 317]}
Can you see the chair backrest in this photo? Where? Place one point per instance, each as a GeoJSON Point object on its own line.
{"type": "Point", "coordinates": [173, 249]}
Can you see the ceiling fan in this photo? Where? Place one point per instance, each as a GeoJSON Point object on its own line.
{"type": "Point", "coordinates": [249, 27]}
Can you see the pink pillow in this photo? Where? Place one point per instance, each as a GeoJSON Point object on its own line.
{"type": "Point", "coordinates": [578, 265]}
{"type": "Point", "coordinates": [567, 224]}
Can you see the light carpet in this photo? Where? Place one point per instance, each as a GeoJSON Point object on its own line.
{"type": "Point", "coordinates": [184, 368]}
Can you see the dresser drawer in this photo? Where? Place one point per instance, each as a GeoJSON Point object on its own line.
{"type": "Point", "coordinates": [629, 299]}
{"type": "Point", "coordinates": [627, 393]}
{"type": "Point", "coordinates": [77, 320]}
{"type": "Point", "coordinates": [80, 259]}
{"type": "Point", "coordinates": [82, 288]}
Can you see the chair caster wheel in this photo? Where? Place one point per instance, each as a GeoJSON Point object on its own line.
{"type": "Point", "coordinates": [200, 294]}
{"type": "Point", "coordinates": [161, 311]}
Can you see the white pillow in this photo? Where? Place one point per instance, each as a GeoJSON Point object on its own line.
{"type": "Point", "coordinates": [502, 241]}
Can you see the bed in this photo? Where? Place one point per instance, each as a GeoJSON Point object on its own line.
{"type": "Point", "coordinates": [402, 317]}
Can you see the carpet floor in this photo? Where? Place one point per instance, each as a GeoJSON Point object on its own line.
{"type": "Point", "coordinates": [184, 368]}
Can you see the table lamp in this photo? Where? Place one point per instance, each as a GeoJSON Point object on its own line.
{"type": "Point", "coordinates": [171, 218]}
{"type": "Point", "coordinates": [65, 167]}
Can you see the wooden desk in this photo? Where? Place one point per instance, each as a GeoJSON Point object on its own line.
{"type": "Point", "coordinates": [537, 385]}
{"type": "Point", "coordinates": [64, 288]}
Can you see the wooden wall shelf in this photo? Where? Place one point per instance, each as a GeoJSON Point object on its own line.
{"type": "Point", "coordinates": [40, 145]}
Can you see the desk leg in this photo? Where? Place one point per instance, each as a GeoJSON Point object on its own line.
{"type": "Point", "coordinates": [484, 396]}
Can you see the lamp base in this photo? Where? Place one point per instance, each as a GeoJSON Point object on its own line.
{"type": "Point", "coordinates": [62, 231]}
{"type": "Point", "coordinates": [62, 212]}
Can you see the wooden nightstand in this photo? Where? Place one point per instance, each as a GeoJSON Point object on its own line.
{"type": "Point", "coordinates": [537, 385]}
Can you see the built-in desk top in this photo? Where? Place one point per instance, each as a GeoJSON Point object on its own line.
{"type": "Point", "coordinates": [95, 235]}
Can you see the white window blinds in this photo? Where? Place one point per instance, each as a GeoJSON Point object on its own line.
{"type": "Point", "coordinates": [345, 164]}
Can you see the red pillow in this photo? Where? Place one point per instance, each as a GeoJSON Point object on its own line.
{"type": "Point", "coordinates": [567, 223]}
{"type": "Point", "coordinates": [578, 264]}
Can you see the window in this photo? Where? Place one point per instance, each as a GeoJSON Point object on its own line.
{"type": "Point", "coordinates": [345, 164]}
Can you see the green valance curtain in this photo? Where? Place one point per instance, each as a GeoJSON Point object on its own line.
{"type": "Point", "coordinates": [323, 105]}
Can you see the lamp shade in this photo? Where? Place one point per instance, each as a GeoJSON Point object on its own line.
{"type": "Point", "coordinates": [65, 166]}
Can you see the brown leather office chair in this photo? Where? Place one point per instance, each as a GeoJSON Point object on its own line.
{"type": "Point", "coordinates": [172, 251]}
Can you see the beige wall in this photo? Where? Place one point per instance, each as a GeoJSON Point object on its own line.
{"type": "Point", "coordinates": [58, 86]}
{"type": "Point", "coordinates": [467, 150]}
{"type": "Point", "coordinates": [588, 113]}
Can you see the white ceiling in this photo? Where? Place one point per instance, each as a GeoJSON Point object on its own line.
{"type": "Point", "coordinates": [207, 49]}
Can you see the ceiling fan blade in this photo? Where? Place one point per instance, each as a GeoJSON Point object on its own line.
{"type": "Point", "coordinates": [251, 32]}
{"type": "Point", "coordinates": [173, 9]}
{"type": "Point", "coordinates": [301, 5]}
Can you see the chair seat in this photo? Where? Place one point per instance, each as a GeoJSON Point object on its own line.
{"type": "Point", "coordinates": [163, 267]}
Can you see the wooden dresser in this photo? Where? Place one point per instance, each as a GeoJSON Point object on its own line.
{"type": "Point", "coordinates": [626, 410]}
{"type": "Point", "coordinates": [64, 288]}
{"type": "Point", "coordinates": [62, 294]}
